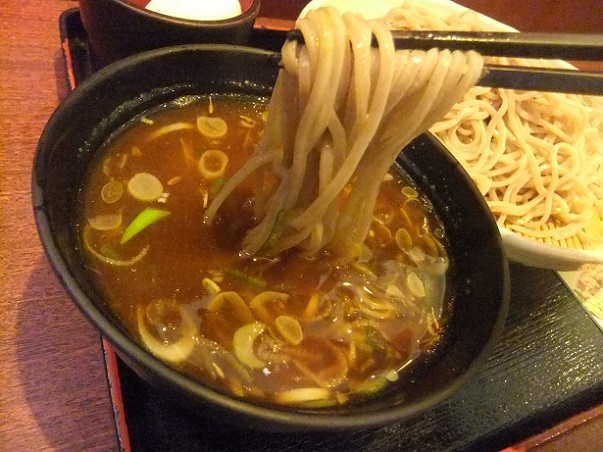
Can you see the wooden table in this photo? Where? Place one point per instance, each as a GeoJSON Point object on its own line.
{"type": "Point", "coordinates": [53, 387]}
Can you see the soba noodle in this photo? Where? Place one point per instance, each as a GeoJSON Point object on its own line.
{"type": "Point", "coordinates": [536, 157]}
{"type": "Point", "coordinates": [340, 113]}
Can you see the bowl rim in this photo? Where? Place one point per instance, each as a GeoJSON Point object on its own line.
{"type": "Point", "coordinates": [256, 414]}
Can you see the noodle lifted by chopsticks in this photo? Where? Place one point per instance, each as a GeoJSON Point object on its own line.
{"type": "Point", "coordinates": [339, 115]}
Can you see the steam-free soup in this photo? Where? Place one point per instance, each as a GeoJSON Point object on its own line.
{"type": "Point", "coordinates": [285, 329]}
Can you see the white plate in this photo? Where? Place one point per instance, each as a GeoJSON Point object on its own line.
{"type": "Point", "coordinates": [519, 248]}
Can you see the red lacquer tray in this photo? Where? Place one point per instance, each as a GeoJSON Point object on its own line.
{"type": "Point", "coordinates": [547, 367]}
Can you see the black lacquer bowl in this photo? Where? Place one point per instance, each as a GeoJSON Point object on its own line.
{"type": "Point", "coordinates": [479, 282]}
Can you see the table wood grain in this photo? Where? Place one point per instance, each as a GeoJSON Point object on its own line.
{"type": "Point", "coordinates": [54, 394]}
{"type": "Point", "coordinates": [53, 388]}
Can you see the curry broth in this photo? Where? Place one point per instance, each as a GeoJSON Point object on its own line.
{"type": "Point", "coordinates": [361, 324]}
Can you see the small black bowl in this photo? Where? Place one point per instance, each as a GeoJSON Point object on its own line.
{"type": "Point", "coordinates": [120, 28]}
{"type": "Point", "coordinates": [479, 287]}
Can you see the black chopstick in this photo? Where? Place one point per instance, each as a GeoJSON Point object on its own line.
{"type": "Point", "coordinates": [562, 46]}
{"type": "Point", "coordinates": [583, 47]}
{"type": "Point", "coordinates": [538, 79]}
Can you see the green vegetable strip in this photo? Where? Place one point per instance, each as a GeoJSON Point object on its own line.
{"type": "Point", "coordinates": [374, 339]}
{"type": "Point", "coordinates": [254, 281]}
{"type": "Point", "coordinates": [217, 185]}
{"type": "Point", "coordinates": [372, 386]}
{"type": "Point", "coordinates": [142, 221]}
{"type": "Point", "coordinates": [109, 252]}
{"type": "Point", "coordinates": [277, 230]}
{"type": "Point", "coordinates": [319, 403]}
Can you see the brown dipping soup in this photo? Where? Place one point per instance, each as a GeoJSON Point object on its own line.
{"type": "Point", "coordinates": [287, 329]}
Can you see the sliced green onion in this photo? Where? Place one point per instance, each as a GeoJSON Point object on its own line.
{"type": "Point", "coordinates": [212, 164]}
{"type": "Point", "coordinates": [415, 285]}
{"type": "Point", "coordinates": [211, 286]}
{"type": "Point", "coordinates": [259, 308]}
{"type": "Point", "coordinates": [142, 221]}
{"type": "Point", "coordinates": [290, 329]}
{"type": "Point", "coordinates": [212, 127]}
{"type": "Point", "coordinates": [111, 259]}
{"type": "Point", "coordinates": [302, 395]}
{"type": "Point", "coordinates": [175, 351]}
{"type": "Point", "coordinates": [112, 191]}
{"type": "Point", "coordinates": [242, 343]}
{"type": "Point", "coordinates": [169, 129]}
{"type": "Point", "coordinates": [145, 187]}
{"type": "Point", "coordinates": [106, 222]}
{"type": "Point", "coordinates": [232, 300]}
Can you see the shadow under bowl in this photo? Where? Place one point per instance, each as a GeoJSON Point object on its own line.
{"type": "Point", "coordinates": [478, 285]}
{"type": "Point", "coordinates": [120, 28]}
